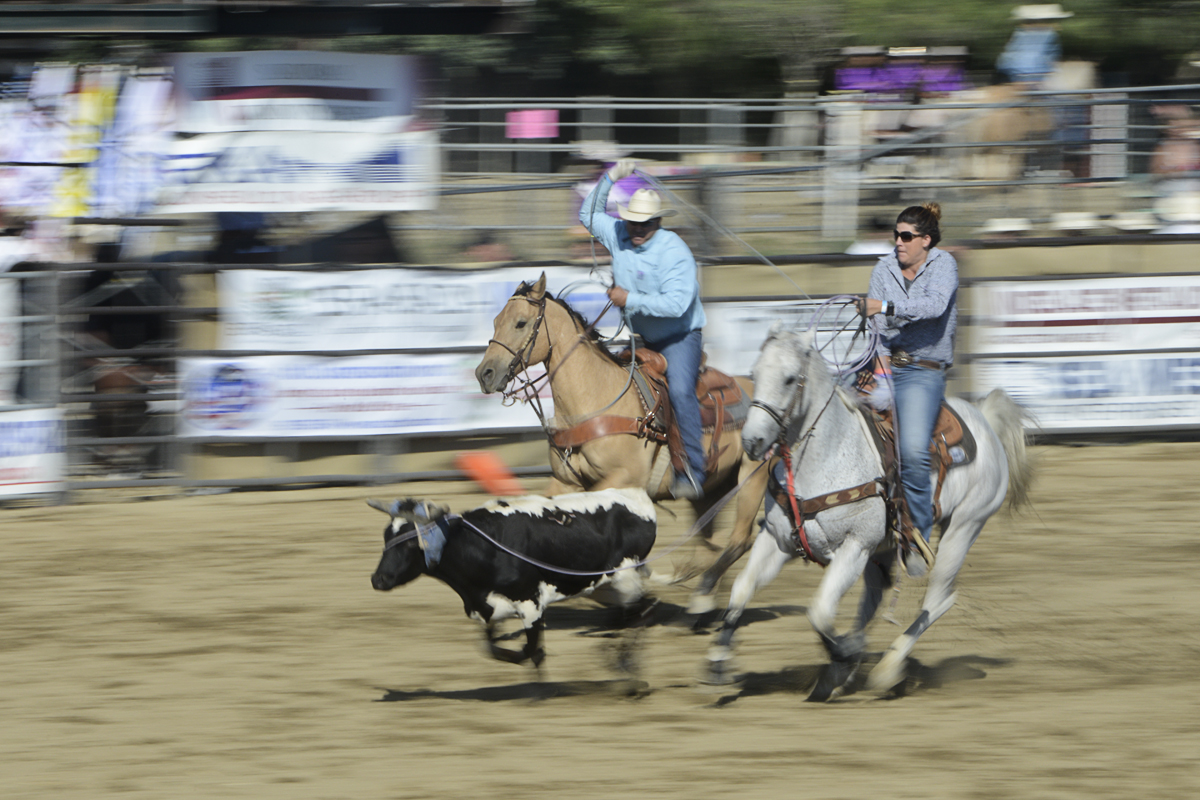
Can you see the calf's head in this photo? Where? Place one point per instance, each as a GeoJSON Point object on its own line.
{"type": "Point", "coordinates": [402, 560]}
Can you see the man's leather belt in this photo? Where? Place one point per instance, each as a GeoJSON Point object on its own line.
{"type": "Point", "coordinates": [903, 359]}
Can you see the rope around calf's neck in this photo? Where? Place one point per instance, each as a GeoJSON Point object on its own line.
{"type": "Point", "coordinates": [704, 519]}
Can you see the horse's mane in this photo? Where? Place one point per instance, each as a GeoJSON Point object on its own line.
{"type": "Point", "coordinates": [816, 360]}
{"type": "Point", "coordinates": [593, 334]}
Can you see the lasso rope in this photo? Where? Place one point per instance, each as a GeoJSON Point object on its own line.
{"type": "Point", "coordinates": [703, 520]}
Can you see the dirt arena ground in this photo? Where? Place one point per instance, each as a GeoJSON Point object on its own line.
{"type": "Point", "coordinates": [230, 646]}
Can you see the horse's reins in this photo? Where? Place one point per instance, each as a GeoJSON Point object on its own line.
{"type": "Point", "coordinates": [520, 356]}
{"type": "Point", "coordinates": [785, 449]}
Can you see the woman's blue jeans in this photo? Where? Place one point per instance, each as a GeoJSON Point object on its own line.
{"type": "Point", "coordinates": [683, 367]}
{"type": "Point", "coordinates": [918, 397]}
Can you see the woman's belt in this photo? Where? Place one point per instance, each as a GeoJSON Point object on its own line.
{"type": "Point", "coordinates": [902, 359]}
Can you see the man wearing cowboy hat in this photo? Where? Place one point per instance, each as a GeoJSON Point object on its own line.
{"type": "Point", "coordinates": [655, 282]}
{"type": "Point", "coordinates": [1034, 51]}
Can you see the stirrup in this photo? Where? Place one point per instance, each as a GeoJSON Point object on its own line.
{"type": "Point", "coordinates": [685, 486]}
{"type": "Point", "coordinates": [921, 547]}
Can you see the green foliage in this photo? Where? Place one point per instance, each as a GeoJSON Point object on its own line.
{"type": "Point", "coordinates": [750, 47]}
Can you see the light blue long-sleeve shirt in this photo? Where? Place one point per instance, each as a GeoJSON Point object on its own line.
{"type": "Point", "coordinates": [925, 319]}
{"type": "Point", "coordinates": [660, 276]}
{"type": "Point", "coordinates": [1031, 54]}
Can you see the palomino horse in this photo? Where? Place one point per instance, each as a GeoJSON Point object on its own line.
{"type": "Point", "coordinates": [1005, 117]}
{"type": "Point", "coordinates": [585, 381]}
{"type": "Point", "coordinates": [798, 403]}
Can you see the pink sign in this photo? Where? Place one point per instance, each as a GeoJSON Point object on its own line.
{"type": "Point", "coordinates": [534, 123]}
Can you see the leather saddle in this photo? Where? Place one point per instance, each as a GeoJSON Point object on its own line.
{"type": "Point", "coordinates": [952, 445]}
{"type": "Point", "coordinates": [720, 396]}
{"type": "Point", "coordinates": [723, 406]}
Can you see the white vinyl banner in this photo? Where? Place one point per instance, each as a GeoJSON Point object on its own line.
{"type": "Point", "coordinates": [298, 90]}
{"type": "Point", "coordinates": [736, 331]}
{"type": "Point", "coordinates": [33, 458]}
{"type": "Point", "coordinates": [383, 309]}
{"type": "Point", "coordinates": [1093, 354]}
{"type": "Point", "coordinates": [277, 171]}
{"type": "Point", "coordinates": [299, 131]}
{"type": "Point", "coordinates": [313, 396]}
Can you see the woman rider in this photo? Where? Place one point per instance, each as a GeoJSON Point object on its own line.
{"type": "Point", "coordinates": [914, 298]}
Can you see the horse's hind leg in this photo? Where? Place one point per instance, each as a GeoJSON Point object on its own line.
{"type": "Point", "coordinates": [939, 598]}
{"type": "Point", "coordinates": [877, 578]}
{"type": "Point", "coordinates": [764, 564]}
{"type": "Point", "coordinates": [703, 600]}
{"type": "Point", "coordinates": [749, 500]}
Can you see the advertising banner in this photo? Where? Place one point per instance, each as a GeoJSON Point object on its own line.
{"type": "Point", "coordinates": [286, 171]}
{"type": "Point", "coordinates": [287, 131]}
{"type": "Point", "coordinates": [313, 396]}
{"type": "Point", "coordinates": [301, 90]}
{"type": "Point", "coordinates": [383, 309]}
{"type": "Point", "coordinates": [1093, 354]}
{"type": "Point", "coordinates": [33, 458]}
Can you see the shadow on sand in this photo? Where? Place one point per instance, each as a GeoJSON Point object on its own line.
{"type": "Point", "coordinates": [920, 678]}
{"type": "Point", "coordinates": [619, 688]}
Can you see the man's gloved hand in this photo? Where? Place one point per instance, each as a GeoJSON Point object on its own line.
{"type": "Point", "coordinates": [622, 169]}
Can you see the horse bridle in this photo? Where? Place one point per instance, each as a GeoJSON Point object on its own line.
{"type": "Point", "coordinates": [520, 356]}
{"type": "Point", "coordinates": [780, 417]}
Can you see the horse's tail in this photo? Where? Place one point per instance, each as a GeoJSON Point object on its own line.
{"type": "Point", "coordinates": [1008, 419]}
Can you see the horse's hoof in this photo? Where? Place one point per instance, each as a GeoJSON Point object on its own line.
{"type": "Point", "coordinates": [916, 563]}
{"type": "Point", "coordinates": [704, 623]}
{"type": "Point", "coordinates": [720, 667]}
{"type": "Point", "coordinates": [887, 673]}
{"type": "Point", "coordinates": [716, 676]}
{"type": "Point", "coordinates": [700, 604]}
{"type": "Point", "coordinates": [834, 681]}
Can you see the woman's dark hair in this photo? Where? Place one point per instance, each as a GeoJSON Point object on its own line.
{"type": "Point", "coordinates": [925, 219]}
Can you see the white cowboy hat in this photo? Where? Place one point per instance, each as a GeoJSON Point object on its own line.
{"type": "Point", "coordinates": [644, 205]}
{"type": "Point", "coordinates": [1040, 12]}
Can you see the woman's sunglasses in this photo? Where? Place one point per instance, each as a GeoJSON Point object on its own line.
{"type": "Point", "coordinates": [907, 236]}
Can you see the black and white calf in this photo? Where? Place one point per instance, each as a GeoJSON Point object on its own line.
{"type": "Point", "coordinates": [589, 532]}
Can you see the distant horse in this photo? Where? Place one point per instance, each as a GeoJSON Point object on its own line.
{"type": "Point", "coordinates": [587, 382]}
{"type": "Point", "coordinates": [1004, 118]}
{"type": "Point", "coordinates": [797, 403]}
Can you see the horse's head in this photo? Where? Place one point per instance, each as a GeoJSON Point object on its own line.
{"type": "Point", "coordinates": [516, 342]}
{"type": "Point", "coordinates": [779, 376]}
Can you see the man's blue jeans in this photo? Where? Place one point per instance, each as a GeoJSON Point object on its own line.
{"type": "Point", "coordinates": [683, 367]}
{"type": "Point", "coordinates": [918, 398]}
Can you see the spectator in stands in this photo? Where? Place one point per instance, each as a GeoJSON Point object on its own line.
{"type": "Point", "coordinates": [1176, 160]}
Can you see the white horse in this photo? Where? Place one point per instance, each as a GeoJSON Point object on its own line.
{"type": "Point", "coordinates": [795, 394]}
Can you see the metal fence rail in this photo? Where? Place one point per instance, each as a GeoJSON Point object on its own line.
{"type": "Point", "coordinates": [103, 341]}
